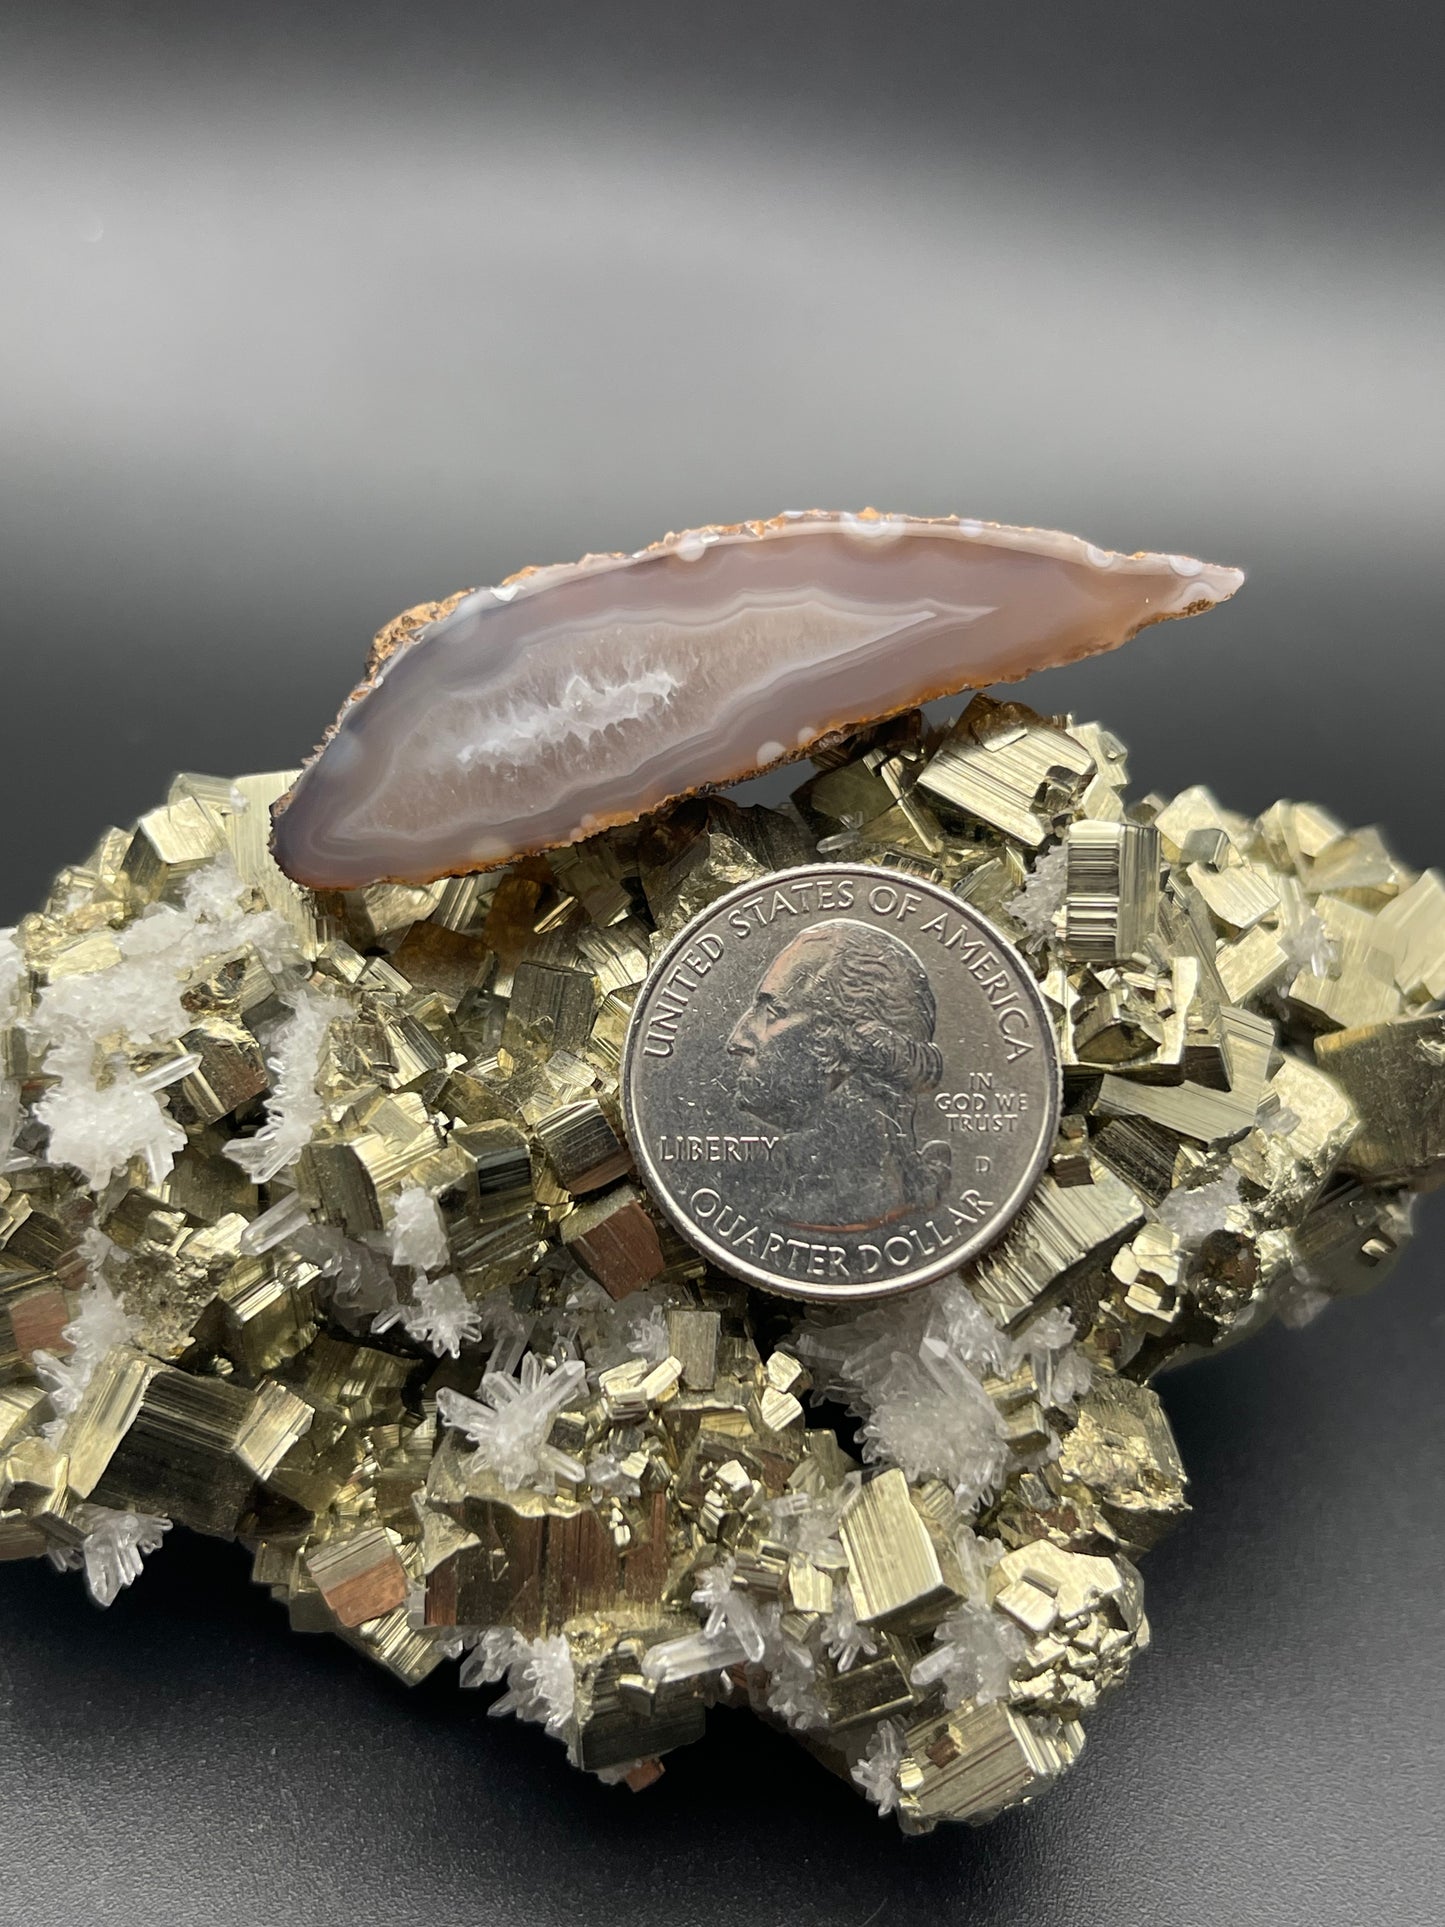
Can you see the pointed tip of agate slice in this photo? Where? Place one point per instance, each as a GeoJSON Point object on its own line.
{"type": "Point", "coordinates": [576, 697]}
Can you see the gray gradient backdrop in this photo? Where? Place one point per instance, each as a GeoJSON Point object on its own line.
{"type": "Point", "coordinates": [311, 312]}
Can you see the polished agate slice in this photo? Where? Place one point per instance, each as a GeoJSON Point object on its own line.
{"type": "Point", "coordinates": [576, 697]}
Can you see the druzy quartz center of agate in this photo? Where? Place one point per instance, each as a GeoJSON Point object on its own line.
{"type": "Point", "coordinates": [577, 697]}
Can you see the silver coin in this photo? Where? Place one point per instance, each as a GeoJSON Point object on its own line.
{"type": "Point", "coordinates": [840, 1082]}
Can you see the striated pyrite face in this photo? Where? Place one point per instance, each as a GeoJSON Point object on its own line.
{"type": "Point", "coordinates": [572, 698]}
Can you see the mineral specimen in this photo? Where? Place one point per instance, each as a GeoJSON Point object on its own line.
{"type": "Point", "coordinates": [318, 1230]}
{"type": "Point", "coordinates": [574, 698]}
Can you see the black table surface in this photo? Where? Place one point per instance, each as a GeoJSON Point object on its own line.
{"type": "Point", "coordinates": [309, 314]}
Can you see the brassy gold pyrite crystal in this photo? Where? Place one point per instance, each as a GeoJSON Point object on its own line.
{"type": "Point", "coordinates": [320, 1227]}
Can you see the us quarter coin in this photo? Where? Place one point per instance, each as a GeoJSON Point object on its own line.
{"type": "Point", "coordinates": [840, 1082]}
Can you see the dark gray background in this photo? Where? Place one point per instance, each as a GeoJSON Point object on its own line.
{"type": "Point", "coordinates": [310, 312]}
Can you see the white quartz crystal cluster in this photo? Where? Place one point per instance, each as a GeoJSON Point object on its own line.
{"type": "Point", "coordinates": [112, 1550]}
{"type": "Point", "coordinates": [293, 1109]}
{"type": "Point", "coordinates": [976, 1648]}
{"type": "Point", "coordinates": [101, 1111]}
{"type": "Point", "coordinates": [510, 1421]}
{"type": "Point", "coordinates": [1037, 907]}
{"type": "Point", "coordinates": [439, 1315]}
{"type": "Point", "coordinates": [541, 1679]}
{"type": "Point", "coordinates": [876, 1773]}
{"type": "Point", "coordinates": [1193, 1213]}
{"type": "Point", "coordinates": [913, 1372]}
{"type": "Point", "coordinates": [100, 1322]}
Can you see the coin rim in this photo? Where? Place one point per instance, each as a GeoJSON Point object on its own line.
{"type": "Point", "coordinates": [955, 1259]}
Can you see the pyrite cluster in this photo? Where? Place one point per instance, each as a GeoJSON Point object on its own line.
{"type": "Point", "coordinates": [318, 1230]}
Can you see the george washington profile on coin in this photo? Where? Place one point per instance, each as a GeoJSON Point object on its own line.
{"type": "Point", "coordinates": [836, 1049]}
{"type": "Point", "coordinates": [840, 1081]}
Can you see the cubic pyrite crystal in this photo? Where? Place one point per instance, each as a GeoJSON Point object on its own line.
{"type": "Point", "coordinates": [319, 1229]}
